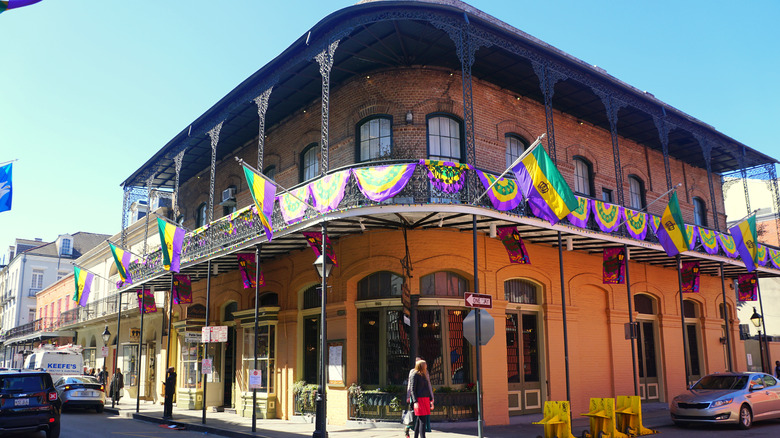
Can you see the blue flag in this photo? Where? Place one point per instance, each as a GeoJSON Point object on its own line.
{"type": "Point", "coordinates": [5, 187]}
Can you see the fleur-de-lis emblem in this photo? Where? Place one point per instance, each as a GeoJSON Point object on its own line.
{"type": "Point", "coordinates": [543, 187]}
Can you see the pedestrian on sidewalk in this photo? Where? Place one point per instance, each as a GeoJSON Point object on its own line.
{"type": "Point", "coordinates": [117, 384]}
{"type": "Point", "coordinates": [170, 390]}
{"type": "Point", "coordinates": [420, 397]}
{"type": "Point", "coordinates": [777, 369]}
{"type": "Point", "coordinates": [408, 399]}
{"type": "Point", "coordinates": [103, 376]}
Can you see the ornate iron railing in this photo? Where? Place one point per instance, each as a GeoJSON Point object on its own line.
{"type": "Point", "coordinates": [383, 406]}
{"type": "Point", "coordinates": [96, 309]}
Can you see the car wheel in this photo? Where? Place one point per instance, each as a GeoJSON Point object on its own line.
{"type": "Point", "coordinates": [54, 430]}
{"type": "Point", "coordinates": [745, 417]}
{"type": "Point", "coordinates": [99, 409]}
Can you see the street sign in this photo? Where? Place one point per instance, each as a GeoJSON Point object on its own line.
{"type": "Point", "coordinates": [192, 338]}
{"type": "Point", "coordinates": [216, 333]}
{"type": "Point", "coordinates": [487, 329]}
{"type": "Point", "coordinates": [206, 367]}
{"type": "Point", "coordinates": [480, 301]}
{"type": "Point", "coordinates": [104, 351]}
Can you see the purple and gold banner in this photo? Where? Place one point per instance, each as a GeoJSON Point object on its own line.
{"type": "Point", "coordinates": [728, 245]}
{"type": "Point", "coordinates": [762, 257]}
{"type": "Point", "coordinates": [146, 301]}
{"type": "Point", "coordinates": [328, 191]}
{"type": "Point", "coordinates": [315, 241]}
{"type": "Point", "coordinates": [446, 176]}
{"type": "Point", "coordinates": [513, 244]}
{"type": "Point", "coordinates": [655, 222]}
{"type": "Point", "coordinates": [614, 266]}
{"type": "Point", "coordinates": [692, 231]}
{"type": "Point", "coordinates": [291, 207]}
{"type": "Point", "coordinates": [774, 256]}
{"type": "Point", "coordinates": [748, 287]}
{"type": "Point", "coordinates": [505, 195]}
{"type": "Point", "coordinates": [709, 240]}
{"type": "Point", "coordinates": [690, 277]}
{"type": "Point", "coordinates": [247, 266]}
{"type": "Point", "coordinates": [383, 182]}
{"type": "Point", "coordinates": [608, 216]}
{"type": "Point", "coordinates": [579, 217]}
{"type": "Point", "coordinates": [182, 289]}
{"type": "Point", "coordinates": [636, 224]}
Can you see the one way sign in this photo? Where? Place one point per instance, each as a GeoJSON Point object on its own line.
{"type": "Point", "coordinates": [480, 301]}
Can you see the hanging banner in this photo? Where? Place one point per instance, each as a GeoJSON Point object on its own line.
{"type": "Point", "coordinates": [504, 195]}
{"type": "Point", "coordinates": [614, 266]}
{"type": "Point", "coordinates": [315, 241]}
{"type": "Point", "coordinates": [383, 182]}
{"type": "Point", "coordinates": [247, 266]}
{"type": "Point", "coordinates": [293, 209]}
{"type": "Point", "coordinates": [748, 287]}
{"type": "Point", "coordinates": [655, 222]}
{"type": "Point", "coordinates": [182, 289]}
{"type": "Point", "coordinates": [446, 176]}
{"type": "Point", "coordinates": [148, 305]}
{"type": "Point", "coordinates": [728, 245]}
{"type": "Point", "coordinates": [608, 216]}
{"type": "Point", "coordinates": [709, 240]}
{"type": "Point", "coordinates": [636, 224]}
{"type": "Point", "coordinates": [690, 277]}
{"type": "Point", "coordinates": [762, 257]}
{"type": "Point", "coordinates": [693, 233]}
{"type": "Point", "coordinates": [774, 256]}
{"type": "Point", "coordinates": [328, 191]}
{"type": "Point", "coordinates": [579, 217]}
{"type": "Point", "coordinates": [514, 245]}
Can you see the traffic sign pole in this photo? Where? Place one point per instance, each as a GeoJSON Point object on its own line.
{"type": "Point", "coordinates": [479, 341]}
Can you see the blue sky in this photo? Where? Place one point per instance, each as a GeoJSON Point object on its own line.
{"type": "Point", "coordinates": [92, 88]}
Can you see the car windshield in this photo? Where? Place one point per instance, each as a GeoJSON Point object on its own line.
{"type": "Point", "coordinates": [721, 382]}
{"type": "Point", "coordinates": [80, 379]}
{"type": "Point", "coordinates": [21, 383]}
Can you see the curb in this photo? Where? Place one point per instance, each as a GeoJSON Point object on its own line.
{"type": "Point", "coordinates": [196, 427]}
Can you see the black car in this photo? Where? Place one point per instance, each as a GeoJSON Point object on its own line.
{"type": "Point", "coordinates": [29, 403]}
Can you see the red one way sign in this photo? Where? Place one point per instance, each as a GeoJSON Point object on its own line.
{"type": "Point", "coordinates": [481, 301]}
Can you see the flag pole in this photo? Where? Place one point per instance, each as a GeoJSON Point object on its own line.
{"type": "Point", "coordinates": [9, 161]}
{"type": "Point", "coordinates": [124, 249]}
{"type": "Point", "coordinates": [511, 166]}
{"type": "Point", "coordinates": [682, 318]}
{"type": "Point", "coordinates": [172, 222]}
{"type": "Point", "coordinates": [260, 174]}
{"type": "Point", "coordinates": [745, 217]}
{"type": "Point", "coordinates": [96, 275]}
{"type": "Point", "coordinates": [653, 202]}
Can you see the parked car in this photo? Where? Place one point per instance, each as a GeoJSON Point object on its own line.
{"type": "Point", "coordinates": [28, 403]}
{"type": "Point", "coordinates": [736, 398]}
{"type": "Point", "coordinates": [81, 392]}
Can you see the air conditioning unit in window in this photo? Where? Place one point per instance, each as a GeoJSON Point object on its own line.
{"type": "Point", "coordinates": [229, 194]}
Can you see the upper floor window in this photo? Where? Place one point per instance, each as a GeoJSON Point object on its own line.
{"type": "Point", "coordinates": [644, 304]}
{"type": "Point", "coordinates": [37, 279]}
{"type": "Point", "coordinates": [375, 138]}
{"type": "Point", "coordinates": [270, 172]}
{"type": "Point", "coordinates": [66, 249]}
{"type": "Point", "coordinates": [514, 148]}
{"type": "Point", "coordinates": [520, 291]}
{"type": "Point", "coordinates": [310, 162]}
{"type": "Point", "coordinates": [62, 274]}
{"type": "Point", "coordinates": [699, 212]}
{"type": "Point", "coordinates": [636, 190]}
{"type": "Point", "coordinates": [606, 195]}
{"type": "Point", "coordinates": [583, 177]}
{"type": "Point", "coordinates": [200, 218]}
{"type": "Point", "coordinates": [444, 142]}
{"type": "Point", "coordinates": [382, 284]}
{"type": "Point", "coordinates": [443, 283]}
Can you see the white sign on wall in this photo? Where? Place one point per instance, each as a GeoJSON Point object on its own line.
{"type": "Point", "coordinates": [218, 333]}
{"type": "Point", "coordinates": [255, 379]}
{"type": "Point", "coordinates": [207, 369]}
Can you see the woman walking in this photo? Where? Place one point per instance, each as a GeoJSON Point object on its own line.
{"type": "Point", "coordinates": [117, 384]}
{"type": "Point", "coordinates": [420, 397]}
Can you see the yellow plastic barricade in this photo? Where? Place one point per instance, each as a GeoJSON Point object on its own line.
{"type": "Point", "coordinates": [629, 416]}
{"type": "Point", "coordinates": [557, 420]}
{"type": "Point", "coordinates": [602, 419]}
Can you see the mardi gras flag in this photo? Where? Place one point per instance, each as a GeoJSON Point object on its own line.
{"type": "Point", "coordinates": [6, 189]}
{"type": "Point", "coordinates": [171, 241]}
{"type": "Point", "coordinates": [579, 217]}
{"type": "Point", "coordinates": [328, 191]}
{"type": "Point", "coordinates": [762, 256]}
{"type": "Point", "coordinates": [636, 224]}
{"type": "Point", "coordinates": [264, 193]}
{"type": "Point", "coordinates": [548, 195]}
{"type": "Point", "coordinates": [383, 182]}
{"type": "Point", "coordinates": [122, 262]}
{"type": "Point", "coordinates": [774, 256]}
{"type": "Point", "coordinates": [608, 216]}
{"type": "Point", "coordinates": [315, 241]}
{"type": "Point", "coordinates": [748, 287]}
{"type": "Point", "coordinates": [690, 277]}
{"type": "Point", "coordinates": [614, 266]}
{"type": "Point", "coordinates": [671, 232]}
{"type": "Point", "coordinates": [83, 280]}
{"type": "Point", "coordinates": [744, 234]}
{"type": "Point", "coordinates": [446, 176]}
{"type": "Point", "coordinates": [692, 232]}
{"type": "Point", "coordinates": [504, 195]}
{"type": "Point", "coordinates": [515, 248]}
{"type": "Point", "coordinates": [13, 4]}
{"type": "Point", "coordinates": [247, 266]}
{"type": "Point", "coordinates": [293, 204]}
{"type": "Point", "coordinates": [709, 240]}
{"type": "Point", "coordinates": [728, 245]}
{"type": "Point", "coordinates": [655, 222]}
{"type": "Point", "coordinates": [182, 289]}
{"type": "Point", "coordinates": [146, 302]}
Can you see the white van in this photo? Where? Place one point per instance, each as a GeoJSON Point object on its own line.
{"type": "Point", "coordinates": [56, 363]}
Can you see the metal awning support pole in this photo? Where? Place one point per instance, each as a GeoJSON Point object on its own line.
{"type": "Point", "coordinates": [257, 304]}
{"type": "Point", "coordinates": [563, 308]}
{"type": "Point", "coordinates": [142, 309]}
{"type": "Point", "coordinates": [206, 346]}
{"type": "Point", "coordinates": [682, 319]}
{"type": "Point", "coordinates": [763, 323]}
{"type": "Point", "coordinates": [478, 330]}
{"type": "Point", "coordinates": [726, 320]}
{"type": "Point", "coordinates": [631, 322]}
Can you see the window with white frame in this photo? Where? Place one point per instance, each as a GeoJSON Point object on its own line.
{"type": "Point", "coordinates": [636, 190]}
{"type": "Point", "coordinates": [201, 218]}
{"type": "Point", "coordinates": [65, 249]}
{"type": "Point", "coordinates": [514, 148]}
{"type": "Point", "coordinates": [582, 177]}
{"type": "Point", "coordinates": [310, 163]}
{"type": "Point", "coordinates": [37, 279]}
{"type": "Point", "coordinates": [444, 140]}
{"type": "Point", "coordinates": [375, 138]}
{"type": "Point", "coordinates": [191, 357]}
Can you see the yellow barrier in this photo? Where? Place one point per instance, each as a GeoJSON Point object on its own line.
{"type": "Point", "coordinates": [602, 419]}
{"type": "Point", "coordinates": [629, 416]}
{"type": "Point", "coordinates": [557, 420]}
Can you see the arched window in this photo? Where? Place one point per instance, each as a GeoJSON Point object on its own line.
{"type": "Point", "coordinates": [269, 299]}
{"type": "Point", "coordinates": [382, 284]}
{"type": "Point", "coordinates": [311, 297]}
{"type": "Point", "coordinates": [636, 190]}
{"type": "Point", "coordinates": [514, 148]}
{"type": "Point", "coordinates": [520, 291]}
{"type": "Point", "coordinates": [374, 138]}
{"type": "Point", "coordinates": [690, 309]}
{"type": "Point", "coordinates": [583, 177]}
{"type": "Point", "coordinates": [444, 138]}
{"type": "Point", "coordinates": [644, 304]}
{"type": "Point", "coordinates": [443, 284]}
{"type": "Point", "coordinates": [699, 212]}
{"type": "Point", "coordinates": [201, 218]}
{"type": "Point", "coordinates": [270, 172]}
{"type": "Point", "coordinates": [227, 314]}
{"type": "Point", "coordinates": [310, 162]}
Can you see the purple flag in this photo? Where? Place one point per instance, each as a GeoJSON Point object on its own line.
{"type": "Point", "coordinates": [514, 245]}
{"type": "Point", "coordinates": [383, 182]}
{"type": "Point", "coordinates": [182, 289]}
{"type": "Point", "coordinates": [579, 217]}
{"type": "Point", "coordinates": [328, 191]}
{"type": "Point", "coordinates": [748, 287]}
{"type": "Point", "coordinates": [690, 277]}
{"type": "Point", "coordinates": [614, 266]}
{"type": "Point", "coordinates": [148, 305]}
{"type": "Point", "coordinates": [505, 195]}
{"type": "Point", "coordinates": [315, 241]}
{"type": "Point", "coordinates": [247, 266]}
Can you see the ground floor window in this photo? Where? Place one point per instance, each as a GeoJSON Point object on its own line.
{"type": "Point", "coordinates": [266, 353]}
{"type": "Point", "coordinates": [191, 357]}
{"type": "Point", "coordinates": [131, 363]}
{"type": "Point", "coordinates": [90, 360]}
{"type": "Point", "coordinates": [311, 348]}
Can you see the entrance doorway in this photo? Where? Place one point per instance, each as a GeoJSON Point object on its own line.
{"type": "Point", "coordinates": [647, 361]}
{"type": "Point", "coordinates": [523, 371]}
{"type": "Point", "coordinates": [230, 367]}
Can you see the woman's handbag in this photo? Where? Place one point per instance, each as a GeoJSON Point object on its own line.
{"type": "Point", "coordinates": [407, 417]}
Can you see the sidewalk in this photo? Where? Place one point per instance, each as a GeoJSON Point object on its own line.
{"type": "Point", "coordinates": [233, 425]}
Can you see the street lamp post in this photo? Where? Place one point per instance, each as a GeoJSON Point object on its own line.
{"type": "Point", "coordinates": [757, 319]}
{"type": "Point", "coordinates": [324, 265]}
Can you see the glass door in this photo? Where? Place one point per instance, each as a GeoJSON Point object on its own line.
{"type": "Point", "coordinates": [523, 369]}
{"type": "Point", "coordinates": [648, 365]}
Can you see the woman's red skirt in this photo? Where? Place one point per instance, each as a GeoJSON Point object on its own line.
{"type": "Point", "coordinates": [423, 406]}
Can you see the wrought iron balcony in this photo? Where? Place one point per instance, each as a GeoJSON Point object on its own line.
{"type": "Point", "coordinates": [96, 309]}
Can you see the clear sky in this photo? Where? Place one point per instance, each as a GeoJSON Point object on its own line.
{"type": "Point", "coordinates": [91, 89]}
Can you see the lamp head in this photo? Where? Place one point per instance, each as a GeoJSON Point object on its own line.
{"type": "Point", "coordinates": [106, 335]}
{"type": "Point", "coordinates": [324, 265]}
{"type": "Point", "coordinates": [756, 318]}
